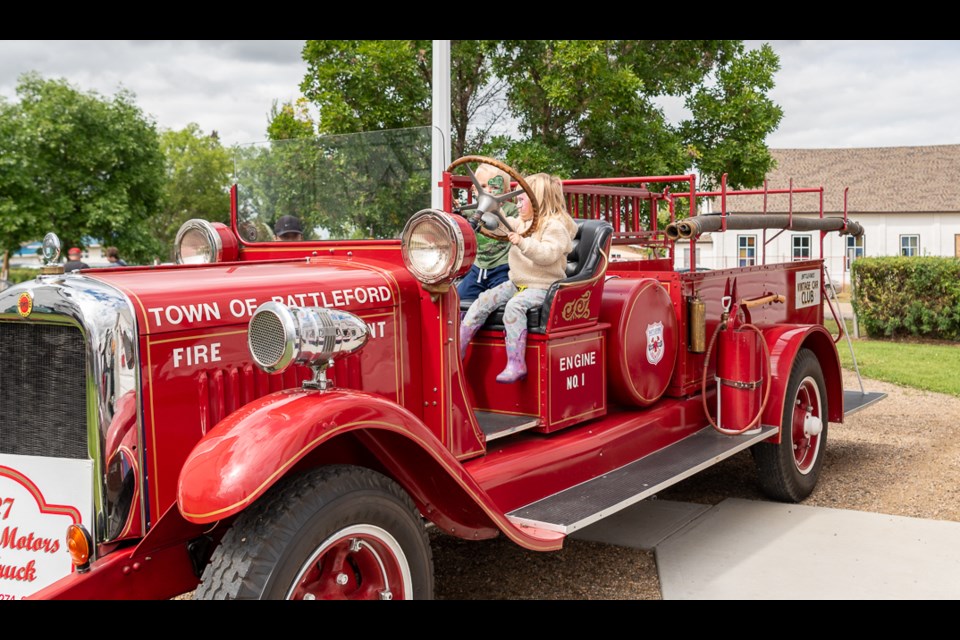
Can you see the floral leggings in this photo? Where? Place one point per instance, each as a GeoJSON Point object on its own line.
{"type": "Point", "coordinates": [515, 313]}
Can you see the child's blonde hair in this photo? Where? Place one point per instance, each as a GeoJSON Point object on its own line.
{"type": "Point", "coordinates": [548, 190]}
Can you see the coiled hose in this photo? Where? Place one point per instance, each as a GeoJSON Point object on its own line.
{"type": "Point", "coordinates": [703, 386]}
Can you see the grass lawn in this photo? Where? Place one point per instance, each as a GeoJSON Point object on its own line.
{"type": "Point", "coordinates": [922, 365]}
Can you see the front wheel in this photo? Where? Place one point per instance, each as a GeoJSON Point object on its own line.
{"type": "Point", "coordinates": [788, 471]}
{"type": "Point", "coordinates": [334, 533]}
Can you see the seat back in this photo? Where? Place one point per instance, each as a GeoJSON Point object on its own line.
{"type": "Point", "coordinates": [575, 300]}
{"type": "Point", "coordinates": [585, 257]}
{"type": "Point", "coordinates": [579, 291]}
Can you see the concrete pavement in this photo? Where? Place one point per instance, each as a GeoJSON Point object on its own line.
{"type": "Point", "coordinates": [746, 549]}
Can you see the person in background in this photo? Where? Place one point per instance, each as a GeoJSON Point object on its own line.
{"type": "Point", "coordinates": [288, 229]}
{"type": "Point", "coordinates": [490, 269]}
{"type": "Point", "coordinates": [536, 262]}
{"type": "Point", "coordinates": [113, 257]}
{"type": "Point", "coordinates": [74, 260]}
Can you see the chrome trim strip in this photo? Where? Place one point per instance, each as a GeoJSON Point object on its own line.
{"type": "Point", "coordinates": [106, 319]}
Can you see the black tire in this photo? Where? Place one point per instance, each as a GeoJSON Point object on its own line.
{"type": "Point", "coordinates": [789, 471]}
{"type": "Point", "coordinates": [362, 531]}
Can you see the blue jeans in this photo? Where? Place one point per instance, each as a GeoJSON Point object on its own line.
{"type": "Point", "coordinates": [477, 281]}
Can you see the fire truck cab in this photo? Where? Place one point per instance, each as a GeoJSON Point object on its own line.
{"type": "Point", "coordinates": [284, 420]}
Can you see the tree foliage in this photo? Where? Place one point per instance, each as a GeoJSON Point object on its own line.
{"type": "Point", "coordinates": [198, 171]}
{"type": "Point", "coordinates": [583, 108]}
{"type": "Point", "coordinates": [80, 164]}
{"type": "Point", "coordinates": [371, 85]}
{"type": "Point", "coordinates": [350, 186]}
{"type": "Point", "coordinates": [290, 121]}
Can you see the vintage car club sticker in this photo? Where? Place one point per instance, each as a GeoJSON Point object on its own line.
{"type": "Point", "coordinates": [808, 289]}
{"type": "Point", "coordinates": [655, 342]}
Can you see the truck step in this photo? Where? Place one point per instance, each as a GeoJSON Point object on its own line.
{"type": "Point", "coordinates": [853, 401]}
{"type": "Point", "coordinates": [588, 502]}
{"type": "Point", "coordinates": [498, 425]}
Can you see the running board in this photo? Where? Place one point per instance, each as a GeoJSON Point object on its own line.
{"type": "Point", "coordinates": [588, 502]}
{"type": "Point", "coordinates": [499, 425]}
{"type": "Point", "coordinates": [853, 401]}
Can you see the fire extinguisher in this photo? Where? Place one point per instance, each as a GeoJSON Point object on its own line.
{"type": "Point", "coordinates": [743, 370]}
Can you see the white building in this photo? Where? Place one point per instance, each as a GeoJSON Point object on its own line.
{"type": "Point", "coordinates": [906, 198]}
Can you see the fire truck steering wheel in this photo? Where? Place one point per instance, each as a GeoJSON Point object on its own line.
{"type": "Point", "coordinates": [491, 221]}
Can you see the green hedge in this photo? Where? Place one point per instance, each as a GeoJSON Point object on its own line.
{"type": "Point", "coordinates": [18, 274]}
{"type": "Point", "coordinates": [900, 297]}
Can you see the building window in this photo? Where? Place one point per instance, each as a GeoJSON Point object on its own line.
{"type": "Point", "coordinates": [686, 257]}
{"type": "Point", "coordinates": [910, 245]}
{"type": "Point", "coordinates": [746, 250]}
{"type": "Point", "coordinates": [854, 250]}
{"type": "Point", "coordinates": [801, 248]}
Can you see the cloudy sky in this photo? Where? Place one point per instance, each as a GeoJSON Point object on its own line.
{"type": "Point", "coordinates": [834, 93]}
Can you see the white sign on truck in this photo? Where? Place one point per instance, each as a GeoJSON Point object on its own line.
{"type": "Point", "coordinates": [808, 289]}
{"type": "Point", "coordinates": [39, 498]}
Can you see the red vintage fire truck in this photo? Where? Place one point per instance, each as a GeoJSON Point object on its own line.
{"type": "Point", "coordinates": [285, 420]}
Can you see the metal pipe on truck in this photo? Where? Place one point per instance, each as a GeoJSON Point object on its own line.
{"type": "Point", "coordinates": [691, 227]}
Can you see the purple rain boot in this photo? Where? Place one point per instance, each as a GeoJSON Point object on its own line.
{"type": "Point", "coordinates": [467, 332]}
{"type": "Point", "coordinates": [516, 368]}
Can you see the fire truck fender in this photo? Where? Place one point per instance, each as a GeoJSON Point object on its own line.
{"type": "Point", "coordinates": [296, 429]}
{"type": "Point", "coordinates": [784, 343]}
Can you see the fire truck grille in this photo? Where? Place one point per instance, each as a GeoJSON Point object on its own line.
{"type": "Point", "coordinates": [43, 405]}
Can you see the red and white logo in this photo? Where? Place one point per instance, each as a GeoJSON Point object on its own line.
{"type": "Point", "coordinates": [25, 304]}
{"type": "Point", "coordinates": [655, 342]}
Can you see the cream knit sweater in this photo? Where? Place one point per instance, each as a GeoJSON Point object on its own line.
{"type": "Point", "coordinates": [541, 259]}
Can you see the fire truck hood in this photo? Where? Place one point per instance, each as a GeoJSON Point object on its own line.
{"type": "Point", "coordinates": [168, 299]}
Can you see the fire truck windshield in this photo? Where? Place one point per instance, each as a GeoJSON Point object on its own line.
{"type": "Point", "coordinates": [351, 186]}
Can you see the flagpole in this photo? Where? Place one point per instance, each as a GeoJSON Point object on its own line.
{"type": "Point", "coordinates": [441, 119]}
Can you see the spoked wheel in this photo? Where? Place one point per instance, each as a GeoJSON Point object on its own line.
{"type": "Point", "coordinates": [360, 562]}
{"type": "Point", "coordinates": [493, 224]}
{"type": "Point", "coordinates": [807, 422]}
{"type": "Point", "coordinates": [334, 533]}
{"type": "Point", "coordinates": [789, 471]}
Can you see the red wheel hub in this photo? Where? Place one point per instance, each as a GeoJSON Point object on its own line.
{"type": "Point", "coordinates": [806, 445]}
{"type": "Point", "coordinates": [361, 562]}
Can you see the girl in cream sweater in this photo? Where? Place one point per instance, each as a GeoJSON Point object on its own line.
{"type": "Point", "coordinates": [535, 262]}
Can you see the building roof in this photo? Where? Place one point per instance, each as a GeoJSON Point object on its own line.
{"type": "Point", "coordinates": [879, 180]}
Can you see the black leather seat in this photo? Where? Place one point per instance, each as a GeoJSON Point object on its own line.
{"type": "Point", "coordinates": [583, 262]}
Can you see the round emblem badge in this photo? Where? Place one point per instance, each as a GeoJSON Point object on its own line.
{"type": "Point", "coordinates": [25, 304]}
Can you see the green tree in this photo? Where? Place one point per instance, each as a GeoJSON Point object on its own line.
{"type": "Point", "coordinates": [290, 121]}
{"type": "Point", "coordinates": [368, 85]}
{"type": "Point", "coordinates": [590, 108]}
{"type": "Point", "coordinates": [79, 164]}
{"type": "Point", "coordinates": [198, 176]}
{"type": "Point", "coordinates": [350, 186]}
{"type": "Point", "coordinates": [732, 118]}
{"type": "Point", "coordinates": [371, 85]}
{"type": "Point", "coordinates": [584, 108]}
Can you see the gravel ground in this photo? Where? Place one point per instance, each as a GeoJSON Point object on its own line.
{"type": "Point", "coordinates": [900, 456]}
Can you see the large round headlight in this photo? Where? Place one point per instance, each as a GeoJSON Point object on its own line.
{"type": "Point", "coordinates": [438, 247]}
{"type": "Point", "coordinates": [202, 242]}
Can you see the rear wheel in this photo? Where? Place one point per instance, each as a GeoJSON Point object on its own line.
{"type": "Point", "coordinates": [335, 533]}
{"type": "Point", "coordinates": [789, 471]}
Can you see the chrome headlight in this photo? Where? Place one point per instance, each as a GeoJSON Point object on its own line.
{"type": "Point", "coordinates": [202, 242]}
{"type": "Point", "coordinates": [437, 247]}
{"type": "Point", "coordinates": [279, 335]}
